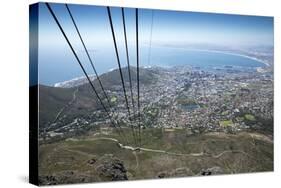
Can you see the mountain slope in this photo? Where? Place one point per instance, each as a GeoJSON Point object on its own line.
{"type": "Point", "coordinates": [54, 101]}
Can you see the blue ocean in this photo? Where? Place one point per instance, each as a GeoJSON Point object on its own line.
{"type": "Point", "coordinates": [177, 56]}
{"type": "Point", "coordinates": [54, 68]}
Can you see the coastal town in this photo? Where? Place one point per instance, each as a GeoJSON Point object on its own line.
{"type": "Point", "coordinates": [200, 100]}
{"type": "Point", "coordinates": [225, 99]}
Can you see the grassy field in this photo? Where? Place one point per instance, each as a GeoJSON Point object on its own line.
{"type": "Point", "coordinates": [68, 160]}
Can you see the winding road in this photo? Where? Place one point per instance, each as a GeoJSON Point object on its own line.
{"type": "Point", "coordinates": [135, 149]}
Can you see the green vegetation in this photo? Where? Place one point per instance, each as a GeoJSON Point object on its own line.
{"type": "Point", "coordinates": [113, 99]}
{"type": "Point", "coordinates": [225, 113]}
{"type": "Point", "coordinates": [113, 78]}
{"type": "Point", "coordinates": [226, 123]}
{"type": "Point", "coordinates": [51, 101]}
{"type": "Point", "coordinates": [250, 117]}
{"type": "Point", "coordinates": [183, 100]}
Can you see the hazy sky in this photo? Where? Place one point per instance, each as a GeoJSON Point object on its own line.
{"type": "Point", "coordinates": [170, 27]}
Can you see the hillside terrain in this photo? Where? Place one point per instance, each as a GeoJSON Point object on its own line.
{"type": "Point", "coordinates": [191, 123]}
{"type": "Point", "coordinates": [52, 100]}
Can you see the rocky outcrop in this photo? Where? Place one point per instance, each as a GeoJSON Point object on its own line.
{"type": "Point", "coordinates": [110, 168]}
{"type": "Point", "coordinates": [105, 168]}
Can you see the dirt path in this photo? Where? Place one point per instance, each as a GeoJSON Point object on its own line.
{"type": "Point", "coordinates": [166, 152]}
{"type": "Point", "coordinates": [137, 160]}
{"type": "Point", "coordinates": [172, 153]}
{"type": "Point", "coordinates": [229, 151]}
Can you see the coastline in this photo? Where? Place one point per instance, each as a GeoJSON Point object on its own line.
{"type": "Point", "coordinates": [218, 51]}
{"type": "Point", "coordinates": [73, 82]}
{"type": "Point", "coordinates": [232, 53]}
{"type": "Point", "coordinates": [63, 83]}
